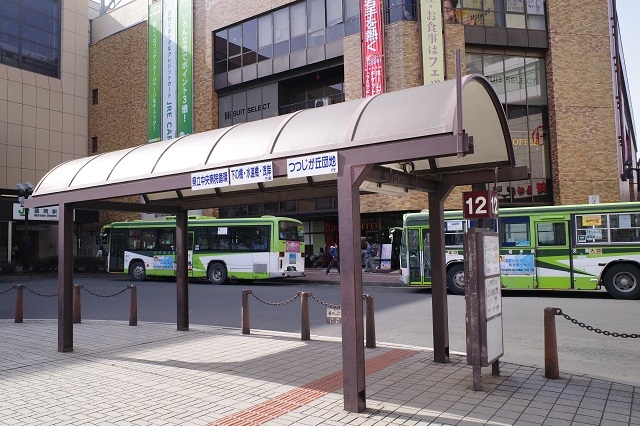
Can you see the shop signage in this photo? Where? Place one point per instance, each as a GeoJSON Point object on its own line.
{"type": "Point", "coordinates": [185, 67]}
{"type": "Point", "coordinates": [169, 69]}
{"type": "Point", "coordinates": [154, 71]}
{"type": "Point", "coordinates": [372, 48]}
{"type": "Point", "coordinates": [40, 213]}
{"type": "Point", "coordinates": [312, 165]}
{"type": "Point", "coordinates": [432, 41]}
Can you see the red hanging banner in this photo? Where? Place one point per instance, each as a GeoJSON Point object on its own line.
{"type": "Point", "coordinates": [372, 48]}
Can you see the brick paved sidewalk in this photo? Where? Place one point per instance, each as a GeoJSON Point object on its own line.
{"type": "Point", "coordinates": [154, 375]}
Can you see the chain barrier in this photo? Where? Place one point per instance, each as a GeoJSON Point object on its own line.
{"type": "Point", "coordinates": [274, 303]}
{"type": "Point", "coordinates": [597, 330]}
{"type": "Point", "coordinates": [311, 295]}
{"type": "Point", "coordinates": [105, 295]}
{"type": "Point", "coordinates": [41, 294]}
{"type": "Point", "coordinates": [328, 305]}
{"type": "Point", "coordinates": [8, 290]}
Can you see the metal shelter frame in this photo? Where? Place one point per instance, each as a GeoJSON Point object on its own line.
{"type": "Point", "coordinates": [445, 156]}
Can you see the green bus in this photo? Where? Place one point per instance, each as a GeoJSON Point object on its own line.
{"type": "Point", "coordinates": [581, 247]}
{"type": "Point", "coordinates": [218, 249]}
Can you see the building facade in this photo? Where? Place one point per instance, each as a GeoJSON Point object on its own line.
{"type": "Point", "coordinates": [568, 117]}
{"type": "Point", "coordinates": [254, 60]}
{"type": "Point", "coordinates": [44, 75]}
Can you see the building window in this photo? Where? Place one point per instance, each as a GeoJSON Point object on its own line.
{"type": "Point", "coordinates": [520, 83]}
{"type": "Point", "coordinates": [94, 144]}
{"type": "Point", "coordinates": [30, 35]}
{"type": "Point", "coordinates": [292, 28]}
{"type": "Point", "coordinates": [401, 10]}
{"type": "Point", "coordinates": [94, 96]}
{"type": "Point", "coordinates": [525, 14]}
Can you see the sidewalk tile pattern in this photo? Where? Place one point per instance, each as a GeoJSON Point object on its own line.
{"type": "Point", "coordinates": [153, 374]}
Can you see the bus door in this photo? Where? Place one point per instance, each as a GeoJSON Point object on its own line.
{"type": "Point", "coordinates": [190, 240]}
{"type": "Point", "coordinates": [117, 246]}
{"type": "Point", "coordinates": [553, 254]}
{"type": "Point", "coordinates": [517, 253]}
{"type": "Point", "coordinates": [419, 256]}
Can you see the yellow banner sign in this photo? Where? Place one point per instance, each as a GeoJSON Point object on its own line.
{"type": "Point", "coordinates": [592, 220]}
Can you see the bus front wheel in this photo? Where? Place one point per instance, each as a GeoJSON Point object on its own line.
{"type": "Point", "coordinates": [217, 273]}
{"type": "Point", "coordinates": [623, 281]}
{"type": "Point", "coordinates": [455, 279]}
{"type": "Point", "coordinates": [137, 271]}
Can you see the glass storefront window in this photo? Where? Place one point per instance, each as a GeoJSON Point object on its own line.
{"type": "Point", "coordinates": [315, 15]}
{"type": "Point", "coordinates": [30, 35]}
{"type": "Point", "coordinates": [334, 12]}
{"type": "Point", "coordinates": [265, 35]}
{"type": "Point", "coordinates": [520, 83]}
{"type": "Point", "coordinates": [525, 14]}
{"type": "Point", "coordinates": [298, 19]}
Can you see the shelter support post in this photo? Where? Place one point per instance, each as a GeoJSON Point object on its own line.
{"type": "Point", "coordinates": [65, 278]}
{"type": "Point", "coordinates": [353, 375]}
{"type": "Point", "coordinates": [439, 275]}
{"type": "Point", "coordinates": [182, 272]}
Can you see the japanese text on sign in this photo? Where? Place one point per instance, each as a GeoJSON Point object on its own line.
{"type": "Point", "coordinates": [432, 41]}
{"type": "Point", "coordinates": [372, 54]}
{"type": "Point", "coordinates": [209, 179]}
{"type": "Point", "coordinates": [312, 165]}
{"type": "Point", "coordinates": [251, 173]}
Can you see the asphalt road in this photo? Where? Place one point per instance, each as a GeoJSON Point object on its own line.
{"type": "Point", "coordinates": [403, 315]}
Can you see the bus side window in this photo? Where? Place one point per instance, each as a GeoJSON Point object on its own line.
{"type": "Point", "coordinates": [165, 237]}
{"type": "Point", "coordinates": [514, 232]}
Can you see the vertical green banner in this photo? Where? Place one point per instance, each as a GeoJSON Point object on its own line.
{"type": "Point", "coordinates": [154, 72]}
{"type": "Point", "coordinates": [185, 67]}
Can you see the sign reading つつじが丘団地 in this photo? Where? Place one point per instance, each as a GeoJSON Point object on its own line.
{"type": "Point", "coordinates": [209, 179]}
{"type": "Point", "coordinates": [312, 165]}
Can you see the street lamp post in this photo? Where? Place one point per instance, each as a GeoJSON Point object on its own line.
{"type": "Point", "coordinates": [26, 190]}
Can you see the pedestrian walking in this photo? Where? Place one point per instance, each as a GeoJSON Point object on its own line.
{"type": "Point", "coordinates": [368, 258]}
{"type": "Point", "coordinates": [335, 258]}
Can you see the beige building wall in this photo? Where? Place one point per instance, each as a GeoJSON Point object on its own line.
{"type": "Point", "coordinates": [584, 148]}
{"type": "Point", "coordinates": [582, 121]}
{"type": "Point", "coordinates": [43, 120]}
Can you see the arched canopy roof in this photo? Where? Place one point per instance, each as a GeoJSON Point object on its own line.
{"type": "Point", "coordinates": [419, 125]}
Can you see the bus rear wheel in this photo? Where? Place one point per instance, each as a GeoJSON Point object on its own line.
{"type": "Point", "coordinates": [138, 271]}
{"type": "Point", "coordinates": [217, 273]}
{"type": "Point", "coordinates": [455, 279]}
{"type": "Point", "coordinates": [623, 282]}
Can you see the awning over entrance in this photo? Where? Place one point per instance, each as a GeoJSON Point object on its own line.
{"type": "Point", "coordinates": [453, 133]}
{"type": "Point", "coordinates": [369, 125]}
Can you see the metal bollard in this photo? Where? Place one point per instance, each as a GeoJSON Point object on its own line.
{"type": "Point", "coordinates": [371, 323]}
{"type": "Point", "coordinates": [305, 331]}
{"type": "Point", "coordinates": [551, 368]}
{"type": "Point", "coordinates": [19, 305]}
{"type": "Point", "coordinates": [245, 312]}
{"type": "Point", "coordinates": [76, 304]}
{"type": "Point", "coordinates": [133, 305]}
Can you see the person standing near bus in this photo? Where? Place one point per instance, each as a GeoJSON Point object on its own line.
{"type": "Point", "coordinates": [335, 258]}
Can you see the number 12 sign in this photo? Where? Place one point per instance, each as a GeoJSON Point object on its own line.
{"type": "Point", "coordinates": [480, 204]}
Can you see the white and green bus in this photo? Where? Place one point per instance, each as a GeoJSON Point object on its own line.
{"type": "Point", "coordinates": [581, 247]}
{"type": "Point", "coordinates": [218, 249]}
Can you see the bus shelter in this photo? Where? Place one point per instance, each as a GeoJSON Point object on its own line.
{"type": "Point", "coordinates": [453, 133]}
